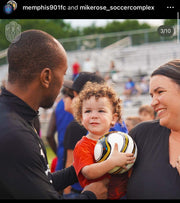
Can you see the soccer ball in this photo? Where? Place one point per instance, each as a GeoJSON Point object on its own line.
{"type": "Point", "coordinates": [105, 146]}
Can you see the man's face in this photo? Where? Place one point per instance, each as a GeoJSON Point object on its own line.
{"type": "Point", "coordinates": [56, 83]}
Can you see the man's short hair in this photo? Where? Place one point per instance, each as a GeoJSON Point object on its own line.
{"type": "Point", "coordinates": [28, 56]}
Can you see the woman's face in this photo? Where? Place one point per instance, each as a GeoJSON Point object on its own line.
{"type": "Point", "coordinates": [166, 101]}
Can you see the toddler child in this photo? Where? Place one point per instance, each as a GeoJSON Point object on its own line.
{"type": "Point", "coordinates": [98, 108]}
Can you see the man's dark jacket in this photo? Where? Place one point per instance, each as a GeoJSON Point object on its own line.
{"type": "Point", "coordinates": [24, 171]}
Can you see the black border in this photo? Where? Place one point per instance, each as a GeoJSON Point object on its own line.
{"type": "Point", "coordinates": [163, 9]}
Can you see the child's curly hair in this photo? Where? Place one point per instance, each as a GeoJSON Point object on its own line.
{"type": "Point", "coordinates": [98, 90]}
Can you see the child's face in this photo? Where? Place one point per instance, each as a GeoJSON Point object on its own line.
{"type": "Point", "coordinates": [97, 115]}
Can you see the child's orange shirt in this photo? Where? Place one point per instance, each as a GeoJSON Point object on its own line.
{"type": "Point", "coordinates": [83, 156]}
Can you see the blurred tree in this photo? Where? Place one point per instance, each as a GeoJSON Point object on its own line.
{"type": "Point", "coordinates": [125, 25]}
{"type": "Point", "coordinates": [115, 26]}
{"type": "Point", "coordinates": [56, 27]}
{"type": "Point", "coordinates": [170, 22]}
{"type": "Point", "coordinates": [59, 29]}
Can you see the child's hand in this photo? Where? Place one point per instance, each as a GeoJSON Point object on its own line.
{"type": "Point", "coordinates": [121, 159]}
{"type": "Point", "coordinates": [178, 164]}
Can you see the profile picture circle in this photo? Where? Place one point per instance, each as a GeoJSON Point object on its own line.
{"type": "Point", "coordinates": [8, 9]}
{"type": "Point", "coordinates": [13, 3]}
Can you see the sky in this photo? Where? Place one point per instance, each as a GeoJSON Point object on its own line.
{"type": "Point", "coordinates": [101, 22]}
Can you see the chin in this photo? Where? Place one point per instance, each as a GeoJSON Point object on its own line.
{"type": "Point", "coordinates": [47, 105]}
{"type": "Point", "coordinates": [96, 133]}
{"type": "Point", "coordinates": [164, 122]}
{"type": "Point", "coordinates": [47, 102]}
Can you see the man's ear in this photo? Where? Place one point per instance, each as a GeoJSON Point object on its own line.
{"type": "Point", "coordinates": [46, 77]}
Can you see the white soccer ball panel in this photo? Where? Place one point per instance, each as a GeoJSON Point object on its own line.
{"type": "Point", "coordinates": [115, 138]}
{"type": "Point", "coordinates": [98, 150]}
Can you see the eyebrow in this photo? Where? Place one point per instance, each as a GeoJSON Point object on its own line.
{"type": "Point", "coordinates": [156, 89]}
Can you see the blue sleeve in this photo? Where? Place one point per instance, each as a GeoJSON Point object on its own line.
{"type": "Point", "coordinates": [120, 127]}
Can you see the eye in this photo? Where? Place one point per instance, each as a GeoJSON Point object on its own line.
{"type": "Point", "coordinates": [87, 111]}
{"type": "Point", "coordinates": [160, 91]}
{"type": "Point", "coordinates": [101, 111]}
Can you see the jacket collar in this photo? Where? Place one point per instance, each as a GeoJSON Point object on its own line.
{"type": "Point", "coordinates": [18, 105]}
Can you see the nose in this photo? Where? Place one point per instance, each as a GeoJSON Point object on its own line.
{"type": "Point", "coordinates": [94, 114]}
{"type": "Point", "coordinates": [154, 101]}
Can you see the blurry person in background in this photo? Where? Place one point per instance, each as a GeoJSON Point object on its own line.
{"type": "Point", "coordinates": [71, 137]}
{"type": "Point", "coordinates": [129, 88]}
{"type": "Point", "coordinates": [60, 118]}
{"type": "Point", "coordinates": [88, 66]}
{"type": "Point", "coordinates": [143, 86]}
{"type": "Point", "coordinates": [146, 113]}
{"type": "Point", "coordinates": [75, 69]}
{"type": "Point", "coordinates": [132, 121]}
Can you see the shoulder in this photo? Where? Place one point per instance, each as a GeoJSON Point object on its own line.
{"type": "Point", "coordinates": [146, 124]}
{"type": "Point", "coordinates": [146, 127]}
{"type": "Point", "coordinates": [74, 132]}
{"type": "Point", "coordinates": [82, 142]}
{"type": "Point", "coordinates": [76, 128]}
{"type": "Point", "coordinates": [84, 151]}
{"type": "Point", "coordinates": [148, 131]}
{"type": "Point", "coordinates": [60, 104]}
{"type": "Point", "coordinates": [120, 127]}
{"type": "Point", "coordinates": [85, 144]}
{"type": "Point", "coordinates": [15, 135]}
{"type": "Point", "coordinates": [10, 124]}
{"type": "Point", "coordinates": [59, 109]}
{"type": "Point", "coordinates": [74, 124]}
{"type": "Point", "coordinates": [80, 147]}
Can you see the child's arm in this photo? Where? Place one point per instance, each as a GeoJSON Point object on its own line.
{"type": "Point", "coordinates": [117, 158]}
